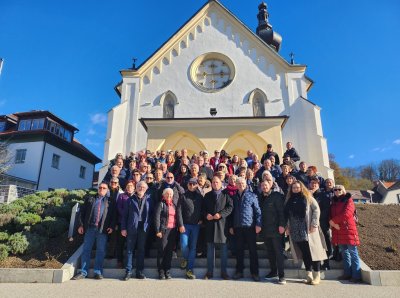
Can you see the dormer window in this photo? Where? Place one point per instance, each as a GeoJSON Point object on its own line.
{"type": "Point", "coordinates": [2, 126]}
{"type": "Point", "coordinates": [31, 124]}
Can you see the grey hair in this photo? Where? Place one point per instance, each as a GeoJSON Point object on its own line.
{"type": "Point", "coordinates": [140, 183]}
{"type": "Point", "coordinates": [167, 190]}
{"type": "Point", "coordinates": [266, 172]}
{"type": "Point", "coordinates": [240, 180]}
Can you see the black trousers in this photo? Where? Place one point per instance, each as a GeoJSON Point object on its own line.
{"type": "Point", "coordinates": [166, 246]}
{"type": "Point", "coordinates": [328, 242]}
{"type": "Point", "coordinates": [246, 235]}
{"type": "Point", "coordinates": [119, 249]}
{"type": "Point", "coordinates": [307, 259]}
{"type": "Point", "coordinates": [275, 255]}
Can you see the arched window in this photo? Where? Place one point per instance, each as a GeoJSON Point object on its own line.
{"type": "Point", "coordinates": [258, 107]}
{"type": "Point", "coordinates": [258, 99]}
{"type": "Point", "coordinates": [169, 107]}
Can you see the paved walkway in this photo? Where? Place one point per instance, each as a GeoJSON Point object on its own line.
{"type": "Point", "coordinates": [196, 288]}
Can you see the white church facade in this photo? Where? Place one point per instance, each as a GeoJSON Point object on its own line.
{"type": "Point", "coordinates": [215, 84]}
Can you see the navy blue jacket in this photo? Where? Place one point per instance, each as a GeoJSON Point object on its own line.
{"type": "Point", "coordinates": [246, 211]}
{"type": "Point", "coordinates": [130, 218]}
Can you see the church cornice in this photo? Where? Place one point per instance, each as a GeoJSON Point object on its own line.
{"type": "Point", "coordinates": [212, 13]}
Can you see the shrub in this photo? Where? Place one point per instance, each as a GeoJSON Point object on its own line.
{"type": "Point", "coordinates": [3, 252]}
{"type": "Point", "coordinates": [55, 201]}
{"type": "Point", "coordinates": [75, 195]}
{"type": "Point", "coordinates": [27, 219]}
{"type": "Point", "coordinates": [36, 242]}
{"type": "Point", "coordinates": [4, 236]}
{"type": "Point", "coordinates": [52, 227]}
{"type": "Point", "coordinates": [12, 208]}
{"type": "Point", "coordinates": [61, 192]}
{"type": "Point", "coordinates": [18, 243]}
{"type": "Point", "coordinates": [6, 218]}
{"type": "Point", "coordinates": [44, 194]}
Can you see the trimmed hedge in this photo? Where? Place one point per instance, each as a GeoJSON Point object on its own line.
{"type": "Point", "coordinates": [3, 252]}
{"type": "Point", "coordinates": [27, 223]}
{"type": "Point", "coordinates": [18, 243]}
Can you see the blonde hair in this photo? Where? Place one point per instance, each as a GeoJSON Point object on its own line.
{"type": "Point", "coordinates": [304, 191]}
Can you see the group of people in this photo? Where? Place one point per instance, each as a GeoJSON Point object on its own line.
{"type": "Point", "coordinates": [199, 203]}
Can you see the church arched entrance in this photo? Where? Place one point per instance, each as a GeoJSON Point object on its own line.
{"type": "Point", "coordinates": [244, 140]}
{"type": "Point", "coordinates": [182, 139]}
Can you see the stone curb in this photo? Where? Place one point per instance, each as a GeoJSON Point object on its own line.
{"type": "Point", "coordinates": [34, 275]}
{"type": "Point", "coordinates": [379, 277]}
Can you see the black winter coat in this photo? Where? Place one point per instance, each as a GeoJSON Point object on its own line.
{"type": "Point", "coordinates": [217, 230]}
{"type": "Point", "coordinates": [108, 218]}
{"type": "Point", "coordinates": [324, 199]}
{"type": "Point", "coordinates": [190, 209]}
{"type": "Point", "coordinates": [272, 212]}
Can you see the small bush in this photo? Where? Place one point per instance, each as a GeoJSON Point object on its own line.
{"type": "Point", "coordinates": [61, 192]}
{"type": "Point", "coordinates": [55, 201]}
{"type": "Point", "coordinates": [44, 194]}
{"type": "Point", "coordinates": [52, 227]}
{"type": "Point", "coordinates": [18, 243]}
{"type": "Point", "coordinates": [4, 237]}
{"type": "Point", "coordinates": [6, 218]}
{"type": "Point", "coordinates": [12, 208]}
{"type": "Point", "coordinates": [27, 219]}
{"type": "Point", "coordinates": [75, 195]}
{"type": "Point", "coordinates": [3, 252]}
{"type": "Point", "coordinates": [36, 242]}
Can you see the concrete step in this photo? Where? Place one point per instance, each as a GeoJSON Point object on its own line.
{"type": "Point", "coordinates": [200, 272]}
{"type": "Point", "coordinates": [202, 263]}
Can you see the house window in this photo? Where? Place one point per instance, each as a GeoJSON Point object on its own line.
{"type": "Point", "coordinates": [20, 156]}
{"type": "Point", "coordinates": [2, 126]}
{"type": "Point", "coordinates": [82, 172]}
{"type": "Point", "coordinates": [55, 162]}
{"type": "Point", "coordinates": [37, 124]}
{"type": "Point", "coordinates": [67, 135]}
{"type": "Point", "coordinates": [25, 125]}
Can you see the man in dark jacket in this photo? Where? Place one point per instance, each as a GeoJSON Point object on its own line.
{"type": "Point", "coordinates": [301, 174]}
{"type": "Point", "coordinates": [189, 220]}
{"type": "Point", "coordinates": [135, 224]}
{"type": "Point", "coordinates": [273, 227]}
{"type": "Point", "coordinates": [204, 169]}
{"type": "Point", "coordinates": [270, 152]}
{"type": "Point", "coordinates": [97, 219]}
{"type": "Point", "coordinates": [217, 207]}
{"type": "Point", "coordinates": [291, 152]}
{"type": "Point", "coordinates": [246, 224]}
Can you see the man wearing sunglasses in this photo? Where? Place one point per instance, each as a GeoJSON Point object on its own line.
{"type": "Point", "coordinates": [97, 219]}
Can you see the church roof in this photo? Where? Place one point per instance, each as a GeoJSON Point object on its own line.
{"type": "Point", "coordinates": [185, 29]}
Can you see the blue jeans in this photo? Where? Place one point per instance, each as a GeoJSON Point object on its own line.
{"type": "Point", "coordinates": [211, 256]}
{"type": "Point", "coordinates": [92, 234]}
{"type": "Point", "coordinates": [188, 244]}
{"type": "Point", "coordinates": [351, 261]}
{"type": "Point", "coordinates": [137, 238]}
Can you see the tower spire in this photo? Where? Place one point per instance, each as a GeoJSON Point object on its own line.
{"type": "Point", "coordinates": [264, 28]}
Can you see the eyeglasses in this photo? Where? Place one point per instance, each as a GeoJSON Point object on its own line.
{"type": "Point", "coordinates": [192, 183]}
{"type": "Point", "coordinates": [337, 189]}
{"type": "Point", "coordinates": [170, 177]}
{"type": "Point", "coordinates": [150, 178]}
{"type": "Point", "coordinates": [102, 187]}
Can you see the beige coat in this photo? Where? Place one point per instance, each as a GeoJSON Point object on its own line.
{"type": "Point", "coordinates": [316, 240]}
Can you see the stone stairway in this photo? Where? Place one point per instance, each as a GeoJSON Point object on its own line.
{"type": "Point", "coordinates": [292, 268]}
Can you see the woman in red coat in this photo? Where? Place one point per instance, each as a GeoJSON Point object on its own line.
{"type": "Point", "coordinates": [344, 233]}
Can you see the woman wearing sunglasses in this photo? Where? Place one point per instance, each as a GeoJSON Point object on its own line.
{"type": "Point", "coordinates": [344, 233]}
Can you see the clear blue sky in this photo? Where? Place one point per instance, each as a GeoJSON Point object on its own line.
{"type": "Point", "coordinates": [65, 56]}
